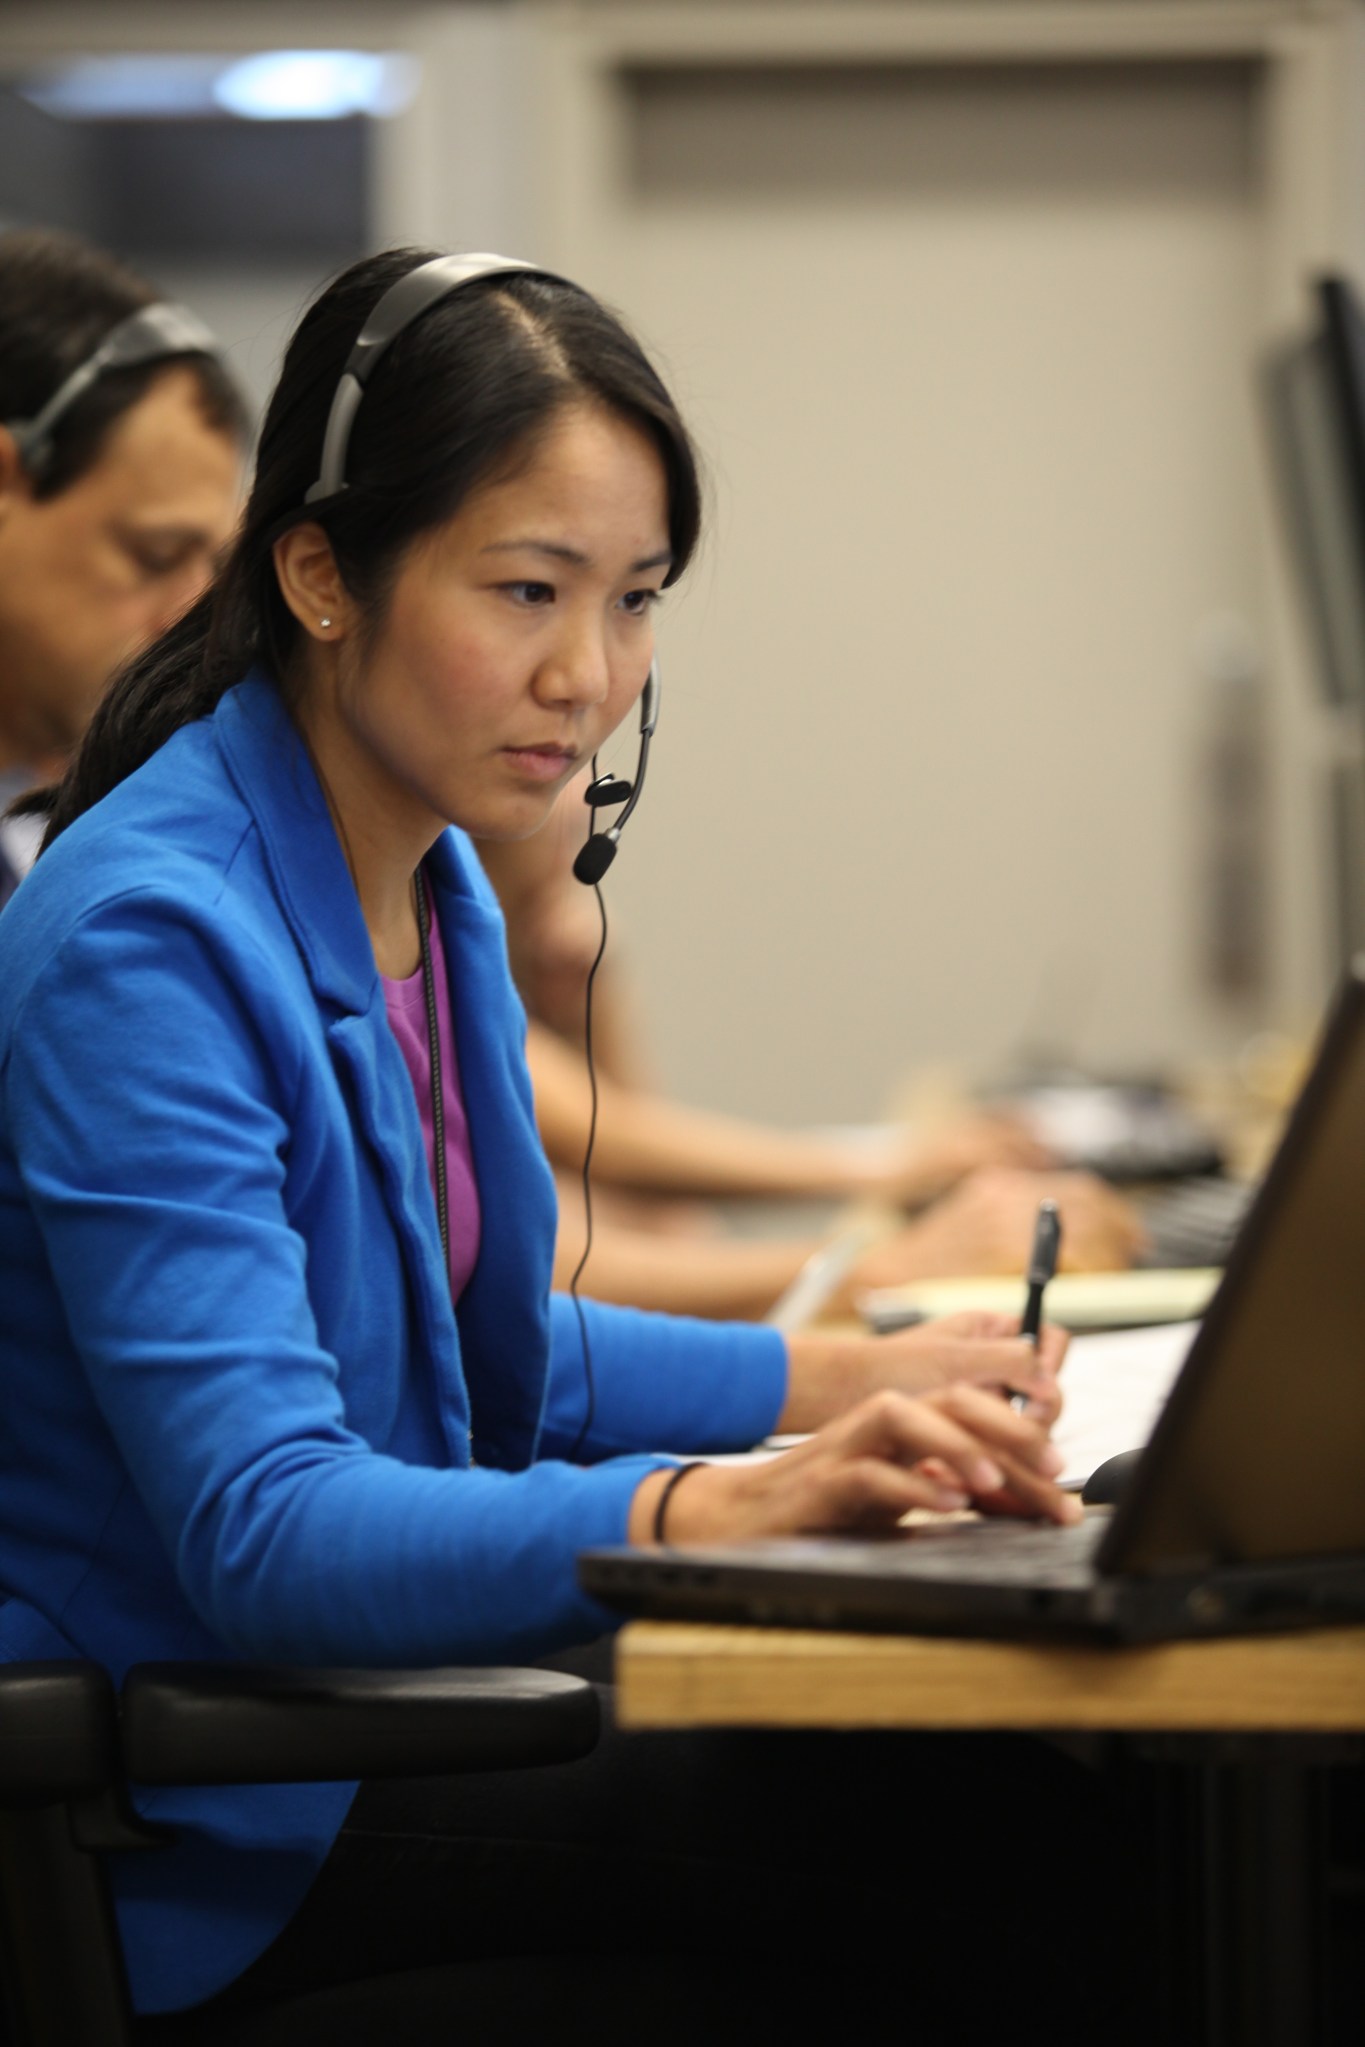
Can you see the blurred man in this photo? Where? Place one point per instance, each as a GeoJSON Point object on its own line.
{"type": "Point", "coordinates": [121, 439]}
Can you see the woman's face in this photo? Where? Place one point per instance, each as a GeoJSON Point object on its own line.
{"type": "Point", "coordinates": [516, 637]}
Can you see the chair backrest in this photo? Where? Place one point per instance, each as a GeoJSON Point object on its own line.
{"type": "Point", "coordinates": [61, 1968]}
{"type": "Point", "coordinates": [67, 1744]}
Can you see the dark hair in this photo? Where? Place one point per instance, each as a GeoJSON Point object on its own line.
{"type": "Point", "coordinates": [59, 299]}
{"type": "Point", "coordinates": [462, 393]}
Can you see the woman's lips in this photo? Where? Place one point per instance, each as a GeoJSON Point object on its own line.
{"type": "Point", "coordinates": [540, 763]}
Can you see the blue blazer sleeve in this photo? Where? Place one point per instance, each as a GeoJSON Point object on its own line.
{"type": "Point", "coordinates": [155, 1165]}
{"type": "Point", "coordinates": [662, 1382]}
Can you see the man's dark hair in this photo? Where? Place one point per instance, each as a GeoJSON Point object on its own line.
{"type": "Point", "coordinates": [59, 299]}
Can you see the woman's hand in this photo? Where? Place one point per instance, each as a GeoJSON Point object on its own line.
{"type": "Point", "coordinates": [826, 1375]}
{"type": "Point", "coordinates": [986, 1226]}
{"type": "Point", "coordinates": [867, 1470]}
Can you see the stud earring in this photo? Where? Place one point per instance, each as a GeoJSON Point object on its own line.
{"type": "Point", "coordinates": [324, 623]}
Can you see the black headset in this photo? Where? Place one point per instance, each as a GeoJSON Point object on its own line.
{"type": "Point", "coordinates": [153, 333]}
{"type": "Point", "coordinates": [596, 854]}
{"type": "Point", "coordinates": [399, 306]}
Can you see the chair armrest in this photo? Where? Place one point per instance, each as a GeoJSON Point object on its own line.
{"type": "Point", "coordinates": [228, 1723]}
{"type": "Point", "coordinates": [57, 1732]}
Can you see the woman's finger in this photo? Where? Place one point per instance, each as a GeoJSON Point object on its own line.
{"type": "Point", "coordinates": [1028, 1462]}
{"type": "Point", "coordinates": [961, 1426]}
{"type": "Point", "coordinates": [869, 1493]}
{"type": "Point", "coordinates": [840, 1485]}
{"type": "Point", "coordinates": [961, 1443]}
{"type": "Point", "coordinates": [1005, 1362]}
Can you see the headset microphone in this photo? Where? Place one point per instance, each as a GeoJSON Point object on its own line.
{"type": "Point", "coordinates": [597, 853]}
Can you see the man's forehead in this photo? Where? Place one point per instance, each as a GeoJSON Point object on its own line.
{"type": "Point", "coordinates": [163, 455]}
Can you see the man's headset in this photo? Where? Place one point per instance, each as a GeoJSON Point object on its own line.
{"type": "Point", "coordinates": [400, 305]}
{"type": "Point", "coordinates": [152, 334]}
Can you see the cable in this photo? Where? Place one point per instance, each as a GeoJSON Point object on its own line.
{"type": "Point", "coordinates": [591, 1403]}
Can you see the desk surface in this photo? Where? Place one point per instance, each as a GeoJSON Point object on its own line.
{"type": "Point", "coordinates": [675, 1674]}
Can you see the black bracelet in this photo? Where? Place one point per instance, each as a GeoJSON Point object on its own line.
{"type": "Point", "coordinates": [675, 1479]}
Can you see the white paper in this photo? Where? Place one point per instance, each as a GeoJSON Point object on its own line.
{"type": "Point", "coordinates": [1113, 1388]}
{"type": "Point", "coordinates": [1114, 1385]}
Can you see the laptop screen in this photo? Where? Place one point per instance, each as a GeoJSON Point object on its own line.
{"type": "Point", "coordinates": [1260, 1453]}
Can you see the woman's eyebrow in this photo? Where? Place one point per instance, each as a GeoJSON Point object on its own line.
{"type": "Point", "coordinates": [573, 555]}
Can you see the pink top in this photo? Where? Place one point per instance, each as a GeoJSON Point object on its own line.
{"type": "Point", "coordinates": [406, 1004]}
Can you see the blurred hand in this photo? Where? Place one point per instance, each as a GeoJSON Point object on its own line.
{"type": "Point", "coordinates": [927, 1165]}
{"type": "Point", "coordinates": [986, 1225]}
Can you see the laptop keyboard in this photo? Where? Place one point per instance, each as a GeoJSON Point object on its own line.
{"type": "Point", "coordinates": [1005, 1551]}
{"type": "Point", "coordinates": [986, 1550]}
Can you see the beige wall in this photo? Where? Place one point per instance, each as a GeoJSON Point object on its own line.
{"type": "Point", "coordinates": [963, 302]}
{"type": "Point", "coordinates": [967, 349]}
{"type": "Point", "coordinates": [968, 333]}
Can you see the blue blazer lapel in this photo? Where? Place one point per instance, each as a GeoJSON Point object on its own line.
{"type": "Point", "coordinates": [308, 871]}
{"type": "Point", "coordinates": [366, 1054]}
{"type": "Point", "coordinates": [504, 1312]}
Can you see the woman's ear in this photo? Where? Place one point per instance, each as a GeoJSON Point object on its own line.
{"type": "Point", "coordinates": [310, 582]}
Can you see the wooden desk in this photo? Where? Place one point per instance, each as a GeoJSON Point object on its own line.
{"type": "Point", "coordinates": [672, 1674]}
{"type": "Point", "coordinates": [1235, 1735]}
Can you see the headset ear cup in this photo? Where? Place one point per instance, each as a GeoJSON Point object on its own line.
{"type": "Point", "coordinates": [594, 858]}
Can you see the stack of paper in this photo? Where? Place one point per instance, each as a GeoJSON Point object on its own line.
{"type": "Point", "coordinates": [1075, 1300]}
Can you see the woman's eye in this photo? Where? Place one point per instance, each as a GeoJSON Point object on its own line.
{"type": "Point", "coordinates": [637, 602]}
{"type": "Point", "coordinates": [530, 593]}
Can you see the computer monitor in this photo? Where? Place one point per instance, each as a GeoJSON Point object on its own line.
{"type": "Point", "coordinates": [1343, 822]}
{"type": "Point", "coordinates": [1315, 407]}
{"type": "Point", "coordinates": [1315, 404]}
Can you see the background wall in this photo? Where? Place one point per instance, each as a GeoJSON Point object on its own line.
{"type": "Point", "coordinates": [964, 305]}
{"type": "Point", "coordinates": [970, 349]}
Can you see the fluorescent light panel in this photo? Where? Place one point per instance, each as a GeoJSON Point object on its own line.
{"type": "Point", "coordinates": [272, 85]}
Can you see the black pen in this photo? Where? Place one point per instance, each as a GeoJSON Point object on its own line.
{"type": "Point", "coordinates": [1047, 1242]}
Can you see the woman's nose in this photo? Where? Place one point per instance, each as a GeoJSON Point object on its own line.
{"type": "Point", "coordinates": [576, 670]}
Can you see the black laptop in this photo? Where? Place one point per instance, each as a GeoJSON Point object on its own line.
{"type": "Point", "coordinates": [1246, 1510]}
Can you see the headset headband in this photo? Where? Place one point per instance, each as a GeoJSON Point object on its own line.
{"type": "Point", "coordinates": [149, 335]}
{"type": "Point", "coordinates": [400, 305]}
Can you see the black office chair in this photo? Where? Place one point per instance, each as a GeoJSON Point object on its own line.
{"type": "Point", "coordinates": [69, 1743]}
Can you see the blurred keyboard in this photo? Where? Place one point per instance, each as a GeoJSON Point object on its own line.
{"type": "Point", "coordinates": [1122, 1132]}
{"type": "Point", "coordinates": [1195, 1221]}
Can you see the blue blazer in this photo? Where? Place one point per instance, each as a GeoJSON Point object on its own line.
{"type": "Point", "coordinates": [238, 1416]}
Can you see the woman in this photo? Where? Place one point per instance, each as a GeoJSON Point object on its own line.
{"type": "Point", "coordinates": [263, 1396]}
